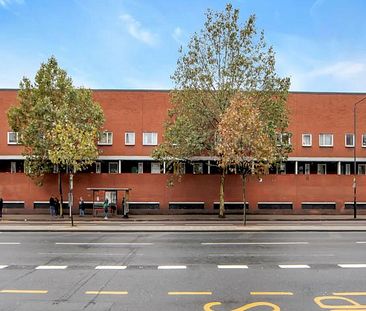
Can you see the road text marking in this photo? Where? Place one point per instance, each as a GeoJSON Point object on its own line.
{"type": "Point", "coordinates": [22, 291]}
{"type": "Point", "coordinates": [106, 292]}
{"type": "Point", "coordinates": [172, 267]}
{"type": "Point", "coordinates": [294, 266]}
{"type": "Point", "coordinates": [110, 267]}
{"type": "Point", "coordinates": [272, 293]}
{"type": "Point", "coordinates": [360, 265]}
{"type": "Point", "coordinates": [189, 293]}
{"type": "Point", "coordinates": [51, 267]}
{"type": "Point", "coordinates": [232, 267]}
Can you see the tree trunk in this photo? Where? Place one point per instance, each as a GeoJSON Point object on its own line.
{"type": "Point", "coordinates": [243, 184]}
{"type": "Point", "coordinates": [222, 201]}
{"type": "Point", "coordinates": [60, 191]}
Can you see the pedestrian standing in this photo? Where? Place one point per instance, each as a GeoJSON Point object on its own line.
{"type": "Point", "coordinates": [52, 206]}
{"type": "Point", "coordinates": [57, 207]}
{"type": "Point", "coordinates": [106, 206]}
{"type": "Point", "coordinates": [124, 208]}
{"type": "Point", "coordinates": [1, 207]}
{"type": "Point", "coordinates": [81, 207]}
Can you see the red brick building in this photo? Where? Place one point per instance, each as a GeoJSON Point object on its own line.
{"type": "Point", "coordinates": [317, 178]}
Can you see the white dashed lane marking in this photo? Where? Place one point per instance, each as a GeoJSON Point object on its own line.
{"type": "Point", "coordinates": [3, 266]}
{"type": "Point", "coordinates": [51, 267]}
{"type": "Point", "coordinates": [104, 244]}
{"type": "Point", "coordinates": [294, 266]}
{"type": "Point", "coordinates": [359, 265]}
{"type": "Point", "coordinates": [9, 243]}
{"type": "Point", "coordinates": [255, 243]}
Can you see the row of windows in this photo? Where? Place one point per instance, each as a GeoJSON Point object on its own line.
{"type": "Point", "coordinates": [325, 140]}
{"type": "Point", "coordinates": [151, 139]}
{"type": "Point", "coordinates": [105, 138]}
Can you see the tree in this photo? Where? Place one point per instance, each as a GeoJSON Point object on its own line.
{"type": "Point", "coordinates": [222, 60]}
{"type": "Point", "coordinates": [57, 124]}
{"type": "Point", "coordinates": [247, 140]}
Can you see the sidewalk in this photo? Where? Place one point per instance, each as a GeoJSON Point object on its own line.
{"type": "Point", "coordinates": [183, 223]}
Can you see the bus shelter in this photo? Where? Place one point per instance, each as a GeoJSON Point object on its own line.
{"type": "Point", "coordinates": [112, 194]}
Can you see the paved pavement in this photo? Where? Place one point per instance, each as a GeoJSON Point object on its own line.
{"type": "Point", "coordinates": [184, 223]}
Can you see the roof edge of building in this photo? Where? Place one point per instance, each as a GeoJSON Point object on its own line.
{"type": "Point", "coordinates": [169, 90]}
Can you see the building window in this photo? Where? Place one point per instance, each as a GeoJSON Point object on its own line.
{"type": "Point", "coordinates": [130, 138]}
{"type": "Point", "coordinates": [155, 167]}
{"type": "Point", "coordinates": [322, 169]}
{"type": "Point", "coordinates": [281, 168]}
{"type": "Point", "coordinates": [113, 167]}
{"type": "Point", "coordinates": [197, 168]}
{"type": "Point", "coordinates": [105, 138]}
{"type": "Point", "coordinates": [283, 139]}
{"type": "Point", "coordinates": [13, 138]}
{"type": "Point", "coordinates": [326, 140]}
{"type": "Point", "coordinates": [363, 140]}
{"type": "Point", "coordinates": [307, 169]}
{"type": "Point", "coordinates": [348, 169]}
{"type": "Point", "coordinates": [98, 167]}
{"type": "Point", "coordinates": [13, 167]}
{"type": "Point", "coordinates": [150, 139]}
{"type": "Point", "coordinates": [361, 169]}
{"type": "Point", "coordinates": [349, 140]}
{"type": "Point", "coordinates": [306, 140]}
{"type": "Point", "coordinates": [140, 168]}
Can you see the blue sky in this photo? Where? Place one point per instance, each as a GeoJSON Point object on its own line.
{"type": "Point", "coordinates": [133, 44]}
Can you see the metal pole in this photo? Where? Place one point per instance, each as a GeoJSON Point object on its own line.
{"type": "Point", "coordinates": [354, 163]}
{"type": "Point", "coordinates": [71, 184]}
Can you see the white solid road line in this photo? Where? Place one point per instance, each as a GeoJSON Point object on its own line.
{"type": "Point", "coordinates": [107, 244]}
{"type": "Point", "coordinates": [255, 243]}
{"type": "Point", "coordinates": [9, 243]}
{"type": "Point", "coordinates": [110, 267]}
{"type": "Point", "coordinates": [232, 267]}
{"type": "Point", "coordinates": [3, 266]}
{"type": "Point", "coordinates": [294, 266]}
{"type": "Point", "coordinates": [359, 265]}
{"type": "Point", "coordinates": [51, 267]}
{"type": "Point", "coordinates": [172, 267]}
{"type": "Point", "coordinates": [361, 242]}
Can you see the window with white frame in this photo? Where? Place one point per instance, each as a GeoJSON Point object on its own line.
{"type": "Point", "coordinates": [150, 139]}
{"type": "Point", "coordinates": [361, 169]}
{"type": "Point", "coordinates": [197, 168]}
{"type": "Point", "coordinates": [283, 139]}
{"type": "Point", "coordinates": [306, 140]}
{"type": "Point", "coordinates": [98, 167]}
{"type": "Point", "coordinates": [349, 140]}
{"type": "Point", "coordinates": [307, 169]}
{"type": "Point", "coordinates": [326, 140]}
{"type": "Point", "coordinates": [347, 169]}
{"type": "Point", "coordinates": [322, 168]}
{"type": "Point", "coordinates": [13, 167]}
{"type": "Point", "coordinates": [364, 140]}
{"type": "Point", "coordinates": [13, 138]}
{"type": "Point", "coordinates": [113, 167]}
{"type": "Point", "coordinates": [105, 138]}
{"type": "Point", "coordinates": [140, 167]}
{"type": "Point", "coordinates": [155, 167]}
{"type": "Point", "coordinates": [130, 138]}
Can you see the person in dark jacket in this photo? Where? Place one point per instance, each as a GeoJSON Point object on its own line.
{"type": "Point", "coordinates": [52, 206]}
{"type": "Point", "coordinates": [81, 207]}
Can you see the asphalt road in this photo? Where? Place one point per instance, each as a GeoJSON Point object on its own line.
{"type": "Point", "coordinates": [183, 271]}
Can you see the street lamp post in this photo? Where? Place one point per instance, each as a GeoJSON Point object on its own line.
{"type": "Point", "coordinates": [354, 157]}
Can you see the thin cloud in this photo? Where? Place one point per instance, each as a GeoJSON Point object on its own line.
{"type": "Point", "coordinates": [6, 3]}
{"type": "Point", "coordinates": [177, 35]}
{"type": "Point", "coordinates": [136, 30]}
{"type": "Point", "coordinates": [346, 69]}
